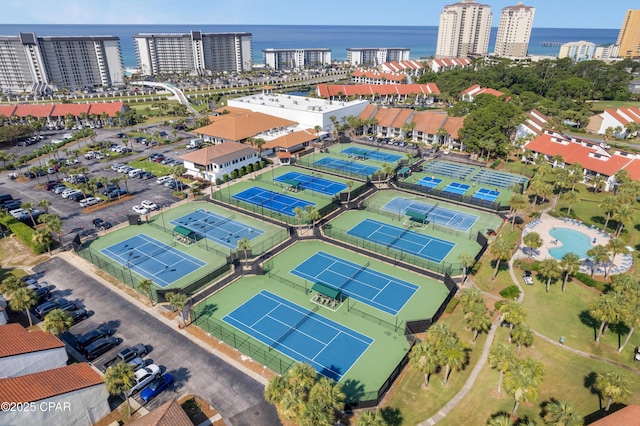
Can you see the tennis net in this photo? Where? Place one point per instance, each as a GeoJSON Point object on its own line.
{"type": "Point", "coordinates": [293, 328]}
{"type": "Point", "coordinates": [353, 277]}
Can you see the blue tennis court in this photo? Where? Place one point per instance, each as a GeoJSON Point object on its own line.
{"type": "Point", "coordinates": [457, 188]}
{"type": "Point", "coordinates": [299, 333]}
{"type": "Point", "coordinates": [346, 166]}
{"type": "Point", "coordinates": [446, 168]}
{"type": "Point", "coordinates": [313, 183]}
{"type": "Point", "coordinates": [271, 200]}
{"type": "Point", "coordinates": [486, 194]}
{"type": "Point", "coordinates": [434, 213]}
{"type": "Point", "coordinates": [499, 179]}
{"type": "Point", "coordinates": [153, 259]}
{"type": "Point", "coordinates": [405, 240]}
{"type": "Point", "coordinates": [372, 154]}
{"type": "Point", "coordinates": [429, 182]}
{"type": "Point", "coordinates": [356, 281]}
{"type": "Point", "coordinates": [217, 229]}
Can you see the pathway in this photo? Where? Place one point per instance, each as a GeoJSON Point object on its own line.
{"type": "Point", "coordinates": [179, 94]}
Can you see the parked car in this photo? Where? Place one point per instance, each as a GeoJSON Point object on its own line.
{"type": "Point", "coordinates": [68, 192]}
{"type": "Point", "coordinates": [42, 293]}
{"type": "Point", "coordinates": [116, 194]}
{"type": "Point", "coordinates": [528, 278]}
{"type": "Point", "coordinates": [140, 210]}
{"type": "Point", "coordinates": [137, 351]}
{"type": "Point", "coordinates": [156, 387]}
{"type": "Point", "coordinates": [100, 346]}
{"type": "Point", "coordinates": [109, 188]}
{"type": "Point", "coordinates": [77, 196]}
{"type": "Point", "coordinates": [90, 337]}
{"type": "Point", "coordinates": [101, 224]}
{"type": "Point", "coordinates": [79, 315]}
{"type": "Point", "coordinates": [149, 205]}
{"type": "Point", "coordinates": [159, 158]}
{"type": "Point", "coordinates": [146, 175]}
{"type": "Point", "coordinates": [90, 201]}
{"type": "Point", "coordinates": [116, 166]}
{"type": "Point", "coordinates": [59, 189]}
{"type": "Point", "coordinates": [50, 185]}
{"type": "Point", "coordinates": [46, 307]}
{"type": "Point", "coordinates": [143, 377]}
{"type": "Point", "coordinates": [163, 179]}
{"type": "Point", "coordinates": [67, 306]}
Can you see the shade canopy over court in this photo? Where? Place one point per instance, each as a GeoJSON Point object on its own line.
{"type": "Point", "coordinates": [299, 333]}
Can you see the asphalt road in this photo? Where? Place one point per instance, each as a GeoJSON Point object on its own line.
{"type": "Point", "coordinates": [238, 397]}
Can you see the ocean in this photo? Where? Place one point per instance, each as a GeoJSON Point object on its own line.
{"type": "Point", "coordinates": [421, 40]}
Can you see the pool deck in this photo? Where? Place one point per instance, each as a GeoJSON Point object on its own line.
{"type": "Point", "coordinates": [546, 223]}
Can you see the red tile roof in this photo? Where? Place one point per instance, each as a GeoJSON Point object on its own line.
{"type": "Point", "coordinates": [292, 139]}
{"type": "Point", "coordinates": [476, 90]}
{"type": "Point", "coordinates": [46, 384]}
{"type": "Point", "coordinates": [327, 91]}
{"type": "Point", "coordinates": [168, 414]}
{"type": "Point", "coordinates": [403, 65]}
{"type": "Point", "coordinates": [240, 124]}
{"type": "Point", "coordinates": [16, 341]}
{"type": "Point", "coordinates": [627, 416]}
{"type": "Point", "coordinates": [109, 107]}
{"type": "Point", "coordinates": [368, 112]}
{"type": "Point", "coordinates": [220, 153]}
{"type": "Point", "coordinates": [7, 110]}
{"type": "Point", "coordinates": [429, 121]}
{"type": "Point", "coordinates": [34, 110]}
{"type": "Point", "coordinates": [453, 126]}
{"type": "Point", "coordinates": [60, 110]}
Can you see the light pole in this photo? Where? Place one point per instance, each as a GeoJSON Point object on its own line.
{"type": "Point", "coordinates": [162, 214]}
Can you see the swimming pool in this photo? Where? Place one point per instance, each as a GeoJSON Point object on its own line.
{"type": "Point", "coordinates": [572, 242]}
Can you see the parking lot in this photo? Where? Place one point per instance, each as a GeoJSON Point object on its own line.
{"type": "Point", "coordinates": [195, 370]}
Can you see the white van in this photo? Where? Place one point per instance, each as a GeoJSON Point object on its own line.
{"type": "Point", "coordinates": [135, 173]}
{"type": "Point", "coordinates": [163, 179]}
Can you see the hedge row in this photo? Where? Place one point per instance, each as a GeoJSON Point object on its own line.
{"type": "Point", "coordinates": [23, 232]}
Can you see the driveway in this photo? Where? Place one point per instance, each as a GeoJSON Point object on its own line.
{"type": "Point", "coordinates": [238, 397]}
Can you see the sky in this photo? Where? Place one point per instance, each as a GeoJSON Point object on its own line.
{"type": "Point", "coordinates": [549, 13]}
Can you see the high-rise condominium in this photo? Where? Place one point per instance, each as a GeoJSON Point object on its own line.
{"type": "Point", "coordinates": [194, 53]}
{"type": "Point", "coordinates": [514, 31]}
{"type": "Point", "coordinates": [629, 38]}
{"type": "Point", "coordinates": [464, 30]}
{"type": "Point", "coordinates": [31, 63]}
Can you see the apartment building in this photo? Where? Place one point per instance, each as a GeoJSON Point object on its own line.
{"type": "Point", "coordinates": [279, 59]}
{"type": "Point", "coordinates": [29, 63]}
{"type": "Point", "coordinates": [577, 50]}
{"type": "Point", "coordinates": [464, 30]}
{"type": "Point", "coordinates": [195, 53]}
{"type": "Point", "coordinates": [514, 31]}
{"type": "Point", "coordinates": [629, 37]}
{"type": "Point", "coordinates": [376, 56]}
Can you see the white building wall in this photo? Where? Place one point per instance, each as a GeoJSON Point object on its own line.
{"type": "Point", "coordinates": [608, 121]}
{"type": "Point", "coordinates": [216, 171]}
{"type": "Point", "coordinates": [144, 56]}
{"type": "Point", "coordinates": [33, 362]}
{"type": "Point", "coordinates": [83, 407]}
{"type": "Point", "coordinates": [514, 31]}
{"type": "Point", "coordinates": [114, 65]}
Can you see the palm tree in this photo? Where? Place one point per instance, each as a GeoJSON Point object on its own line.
{"type": "Point", "coordinates": [453, 355]}
{"type": "Point", "coordinates": [502, 357]}
{"type": "Point", "coordinates": [145, 286]}
{"type": "Point", "coordinates": [516, 202]}
{"type": "Point", "coordinates": [608, 205]}
{"type": "Point", "coordinates": [630, 316]}
{"type": "Point", "coordinates": [119, 379]}
{"type": "Point", "coordinates": [614, 386]}
{"type": "Point", "coordinates": [371, 418]}
{"type": "Point", "coordinates": [350, 184]}
{"type": "Point", "coordinates": [327, 394]}
{"type": "Point", "coordinates": [624, 214]}
{"type": "Point", "coordinates": [466, 260]}
{"type": "Point", "coordinates": [179, 301]}
{"type": "Point", "coordinates": [599, 255]}
{"type": "Point", "coordinates": [513, 313]}
{"type": "Point", "coordinates": [424, 357]}
{"type": "Point", "coordinates": [549, 269]}
{"type": "Point", "coordinates": [560, 413]}
{"type": "Point", "coordinates": [57, 321]}
{"type": "Point", "coordinates": [10, 285]}
{"type": "Point", "coordinates": [478, 319]}
{"type": "Point", "coordinates": [42, 237]}
{"type": "Point", "coordinates": [604, 310]}
{"type": "Point", "coordinates": [533, 240]}
{"type": "Point", "coordinates": [571, 197]}
{"type": "Point", "coordinates": [501, 419]}
{"type": "Point", "coordinates": [598, 183]}
{"type": "Point", "coordinates": [244, 244]}
{"type": "Point", "coordinates": [615, 246]}
{"type": "Point", "coordinates": [570, 264]}
{"type": "Point", "coordinates": [44, 204]}
{"type": "Point", "coordinates": [470, 297]}
{"type": "Point", "coordinates": [522, 381]}
{"type": "Point", "coordinates": [314, 215]}
{"type": "Point", "coordinates": [521, 335]}
{"type": "Point", "coordinates": [298, 212]}
{"type": "Point", "coordinates": [53, 223]}
{"type": "Point", "coordinates": [501, 250]}
{"type": "Point", "coordinates": [29, 208]}
{"type": "Point", "coordinates": [24, 299]}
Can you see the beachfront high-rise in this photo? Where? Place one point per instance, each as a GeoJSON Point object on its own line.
{"type": "Point", "coordinates": [31, 64]}
{"type": "Point", "coordinates": [376, 56]}
{"type": "Point", "coordinates": [194, 53]}
{"type": "Point", "coordinates": [514, 31]}
{"type": "Point", "coordinates": [464, 30]}
{"type": "Point", "coordinates": [629, 38]}
{"type": "Point", "coordinates": [278, 59]}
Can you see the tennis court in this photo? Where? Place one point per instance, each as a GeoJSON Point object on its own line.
{"type": "Point", "coordinates": [215, 228]}
{"type": "Point", "coordinates": [357, 281]}
{"type": "Point", "coordinates": [299, 333]}
{"type": "Point", "coordinates": [404, 240]}
{"type": "Point", "coordinates": [457, 188]}
{"type": "Point", "coordinates": [500, 179]}
{"type": "Point", "coordinates": [372, 154]}
{"type": "Point", "coordinates": [271, 200]}
{"type": "Point", "coordinates": [446, 168]}
{"type": "Point", "coordinates": [486, 194]}
{"type": "Point", "coordinates": [313, 183]}
{"type": "Point", "coordinates": [152, 259]}
{"type": "Point", "coordinates": [429, 182]}
{"type": "Point", "coordinates": [433, 213]}
{"type": "Point", "coordinates": [347, 166]}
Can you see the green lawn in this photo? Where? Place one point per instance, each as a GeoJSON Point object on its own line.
{"type": "Point", "coordinates": [600, 106]}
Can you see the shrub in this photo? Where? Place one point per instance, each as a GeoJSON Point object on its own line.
{"type": "Point", "coordinates": [498, 304]}
{"type": "Point", "coordinates": [588, 281]}
{"type": "Point", "coordinates": [219, 181]}
{"type": "Point", "coordinates": [257, 166]}
{"type": "Point", "coordinates": [495, 164]}
{"type": "Point", "coordinates": [179, 194]}
{"type": "Point", "coordinates": [23, 232]}
{"type": "Point", "coordinates": [249, 168]}
{"type": "Point", "coordinates": [451, 306]}
{"type": "Point", "coordinates": [511, 292]}
{"type": "Point", "coordinates": [225, 177]}
{"type": "Point", "coordinates": [234, 174]}
{"type": "Point", "coordinates": [475, 268]}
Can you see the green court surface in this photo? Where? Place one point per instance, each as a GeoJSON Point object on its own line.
{"type": "Point", "coordinates": [336, 150]}
{"type": "Point", "coordinates": [389, 345]}
{"type": "Point", "coordinates": [159, 228]}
